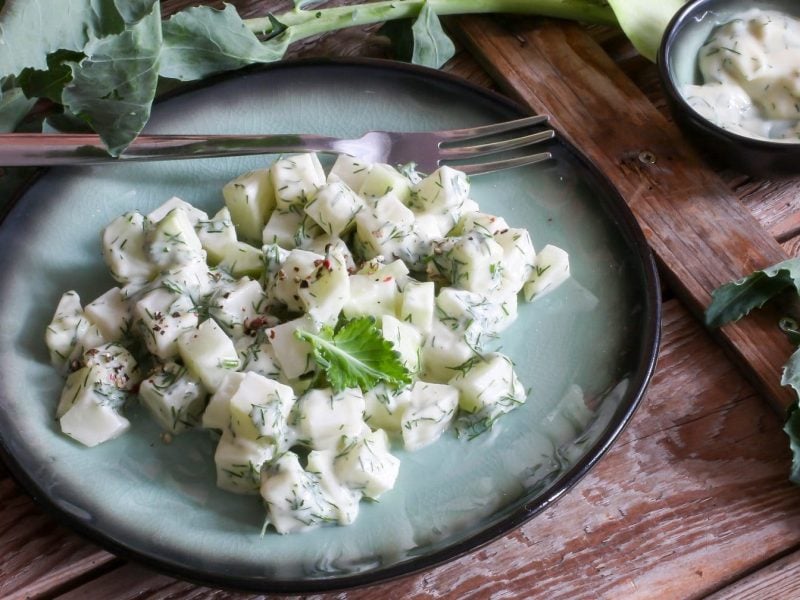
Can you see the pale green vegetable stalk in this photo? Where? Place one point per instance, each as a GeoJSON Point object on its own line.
{"type": "Point", "coordinates": [645, 28]}
{"type": "Point", "coordinates": [305, 23]}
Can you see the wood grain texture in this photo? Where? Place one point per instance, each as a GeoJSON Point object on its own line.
{"type": "Point", "coordinates": [693, 493]}
{"type": "Point", "coordinates": [780, 579]}
{"type": "Point", "coordinates": [776, 204]}
{"type": "Point", "coordinates": [702, 236]}
{"type": "Point", "coordinates": [38, 556]}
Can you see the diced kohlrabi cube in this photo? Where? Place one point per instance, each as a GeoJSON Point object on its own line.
{"type": "Point", "coordinates": [293, 355]}
{"type": "Point", "coordinates": [430, 411]}
{"type": "Point", "coordinates": [282, 228]}
{"type": "Point", "coordinates": [471, 262]}
{"type": "Point", "coordinates": [417, 304]}
{"type": "Point", "coordinates": [480, 222]}
{"type": "Point", "coordinates": [208, 353]}
{"type": "Point", "coordinates": [406, 340]}
{"type": "Point", "coordinates": [383, 226]}
{"type": "Point", "coordinates": [193, 279]}
{"type": "Point", "coordinates": [274, 257]}
{"type": "Point", "coordinates": [298, 268]}
{"type": "Point", "coordinates": [89, 408]}
{"type": "Point", "coordinates": [174, 397]}
{"type": "Point", "coordinates": [550, 271]}
{"type": "Point", "coordinates": [442, 190]}
{"type": "Point", "coordinates": [239, 461]}
{"type": "Point", "coordinates": [296, 179]}
{"type": "Point", "coordinates": [443, 352]}
{"type": "Point", "coordinates": [195, 214]}
{"type": "Point", "coordinates": [321, 417]}
{"type": "Point", "coordinates": [383, 179]}
{"type": "Point", "coordinates": [257, 355]}
{"type": "Point", "coordinates": [350, 170]}
{"type": "Point", "coordinates": [260, 408]}
{"type": "Point", "coordinates": [489, 385]}
{"type": "Point", "coordinates": [216, 235]}
{"type": "Point", "coordinates": [384, 407]}
{"type": "Point", "coordinates": [250, 198]}
{"type": "Point", "coordinates": [343, 500]}
{"type": "Point", "coordinates": [364, 463]}
{"type": "Point", "coordinates": [334, 208]}
{"type": "Point", "coordinates": [124, 249]}
{"type": "Point", "coordinates": [173, 240]}
{"type": "Point", "coordinates": [118, 366]}
{"type": "Point", "coordinates": [111, 313]}
{"type": "Point", "coordinates": [294, 498]}
{"type": "Point", "coordinates": [476, 316]}
{"type": "Point", "coordinates": [70, 333]}
{"type": "Point", "coordinates": [395, 270]}
{"type": "Point", "coordinates": [235, 308]}
{"type": "Point", "coordinates": [325, 244]}
{"type": "Point", "coordinates": [518, 259]}
{"type": "Point", "coordinates": [312, 283]}
{"type": "Point", "coordinates": [162, 316]}
{"type": "Point", "coordinates": [217, 414]}
{"type": "Point", "coordinates": [371, 295]}
{"type": "Point", "coordinates": [243, 260]}
{"type": "Point", "coordinates": [328, 289]}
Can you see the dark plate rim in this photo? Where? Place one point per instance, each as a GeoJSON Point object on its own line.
{"type": "Point", "coordinates": [628, 227]}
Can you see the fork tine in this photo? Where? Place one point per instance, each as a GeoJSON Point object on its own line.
{"type": "Point", "coordinates": [459, 152]}
{"type": "Point", "coordinates": [499, 165]}
{"type": "Point", "coordinates": [469, 133]}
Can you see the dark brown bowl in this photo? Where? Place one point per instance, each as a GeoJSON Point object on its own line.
{"type": "Point", "coordinates": [677, 62]}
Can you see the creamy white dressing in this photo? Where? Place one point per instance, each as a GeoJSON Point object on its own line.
{"type": "Point", "coordinates": [215, 315]}
{"type": "Point", "coordinates": [751, 76]}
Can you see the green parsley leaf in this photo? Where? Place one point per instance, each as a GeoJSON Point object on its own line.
{"type": "Point", "coordinates": [356, 355]}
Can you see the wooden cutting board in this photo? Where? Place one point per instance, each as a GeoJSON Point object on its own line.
{"type": "Point", "coordinates": [700, 232]}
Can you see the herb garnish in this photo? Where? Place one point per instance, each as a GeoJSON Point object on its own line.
{"type": "Point", "coordinates": [356, 355]}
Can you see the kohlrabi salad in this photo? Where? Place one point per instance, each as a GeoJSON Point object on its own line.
{"type": "Point", "coordinates": [313, 324]}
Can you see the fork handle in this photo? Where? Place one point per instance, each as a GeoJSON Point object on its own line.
{"type": "Point", "coordinates": [41, 149]}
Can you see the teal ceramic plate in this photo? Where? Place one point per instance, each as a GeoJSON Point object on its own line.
{"type": "Point", "coordinates": [586, 351]}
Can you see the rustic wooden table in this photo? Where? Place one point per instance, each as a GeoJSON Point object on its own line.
{"type": "Point", "coordinates": [693, 499]}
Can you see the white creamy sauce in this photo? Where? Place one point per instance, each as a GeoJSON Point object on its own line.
{"type": "Point", "coordinates": [227, 326]}
{"type": "Point", "coordinates": [751, 76]}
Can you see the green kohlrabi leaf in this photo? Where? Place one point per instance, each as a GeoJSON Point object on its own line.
{"type": "Point", "coordinates": [792, 429]}
{"type": "Point", "coordinates": [400, 37]}
{"type": "Point", "coordinates": [357, 355]}
{"type": "Point", "coordinates": [113, 87]}
{"type": "Point", "coordinates": [432, 47]}
{"type": "Point", "coordinates": [732, 301]}
{"type": "Point", "coordinates": [30, 30]}
{"type": "Point", "coordinates": [133, 11]}
{"type": "Point", "coordinates": [50, 83]}
{"type": "Point", "coordinates": [645, 22]}
{"type": "Point", "coordinates": [201, 41]}
{"type": "Point", "coordinates": [14, 105]}
{"type": "Point", "coordinates": [791, 373]}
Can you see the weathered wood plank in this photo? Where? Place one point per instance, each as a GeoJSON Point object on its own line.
{"type": "Point", "coordinates": [37, 555]}
{"type": "Point", "coordinates": [694, 492]}
{"type": "Point", "coordinates": [701, 234]}
{"type": "Point", "coordinates": [775, 203]}
{"type": "Point", "coordinates": [780, 579]}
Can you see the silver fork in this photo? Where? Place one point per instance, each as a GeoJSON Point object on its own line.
{"type": "Point", "coordinates": [428, 149]}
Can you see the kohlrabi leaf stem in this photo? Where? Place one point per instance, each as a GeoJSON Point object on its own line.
{"type": "Point", "coordinates": [304, 23]}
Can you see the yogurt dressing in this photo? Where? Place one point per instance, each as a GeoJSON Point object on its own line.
{"type": "Point", "coordinates": [750, 68]}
